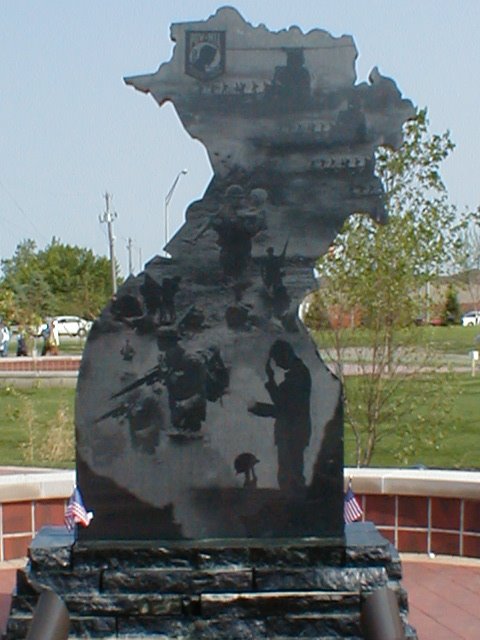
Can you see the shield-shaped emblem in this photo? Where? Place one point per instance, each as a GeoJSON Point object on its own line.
{"type": "Point", "coordinates": [205, 54]}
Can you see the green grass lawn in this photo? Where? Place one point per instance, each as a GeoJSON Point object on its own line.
{"type": "Point", "coordinates": [453, 339]}
{"type": "Point", "coordinates": [460, 446]}
{"type": "Point", "coordinates": [459, 449]}
{"type": "Point", "coordinates": [29, 419]}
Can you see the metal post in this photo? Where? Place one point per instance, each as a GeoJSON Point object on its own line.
{"type": "Point", "coordinates": [109, 217]}
{"type": "Point", "coordinates": [381, 616]}
{"type": "Point", "coordinates": [50, 619]}
{"type": "Point", "coordinates": [168, 197]}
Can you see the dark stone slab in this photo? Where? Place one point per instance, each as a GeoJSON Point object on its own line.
{"type": "Point", "coordinates": [219, 629]}
{"type": "Point", "coordinates": [395, 565]}
{"type": "Point", "coordinates": [313, 626]}
{"type": "Point", "coordinates": [298, 553]}
{"type": "Point", "coordinates": [202, 554]}
{"type": "Point", "coordinates": [300, 588]}
{"type": "Point", "coordinates": [203, 408]}
{"type": "Point", "coordinates": [93, 626]}
{"type": "Point", "coordinates": [161, 554]}
{"type": "Point", "coordinates": [52, 549]}
{"type": "Point", "coordinates": [322, 578]}
{"type": "Point", "coordinates": [137, 605]}
{"type": "Point", "coordinates": [280, 603]}
{"type": "Point", "coordinates": [87, 579]}
{"type": "Point", "coordinates": [365, 546]}
{"type": "Point", "coordinates": [85, 627]}
{"type": "Point", "coordinates": [177, 581]}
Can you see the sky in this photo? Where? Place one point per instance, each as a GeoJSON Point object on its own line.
{"type": "Point", "coordinates": [71, 130]}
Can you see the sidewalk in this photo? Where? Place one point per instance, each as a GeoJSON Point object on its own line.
{"type": "Point", "coordinates": [443, 594]}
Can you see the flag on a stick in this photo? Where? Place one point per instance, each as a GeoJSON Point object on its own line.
{"type": "Point", "coordinates": [352, 511]}
{"type": "Point", "coordinates": [75, 513]}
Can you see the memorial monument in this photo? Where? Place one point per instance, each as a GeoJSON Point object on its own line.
{"type": "Point", "coordinates": [205, 417]}
{"type": "Point", "coordinates": [223, 421]}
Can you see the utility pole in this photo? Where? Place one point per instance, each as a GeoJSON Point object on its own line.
{"type": "Point", "coordinates": [130, 263]}
{"type": "Point", "coordinates": [108, 217]}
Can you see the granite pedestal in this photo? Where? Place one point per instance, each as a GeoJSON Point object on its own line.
{"type": "Point", "coordinates": [212, 589]}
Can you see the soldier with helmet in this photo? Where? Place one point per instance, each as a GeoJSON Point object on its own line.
{"type": "Point", "coordinates": [235, 231]}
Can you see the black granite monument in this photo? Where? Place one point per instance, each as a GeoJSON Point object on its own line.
{"type": "Point", "coordinates": [209, 431]}
{"type": "Point", "coordinates": [203, 409]}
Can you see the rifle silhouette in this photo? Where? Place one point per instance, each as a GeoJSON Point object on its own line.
{"type": "Point", "coordinates": [120, 410]}
{"type": "Point", "coordinates": [204, 228]}
{"type": "Point", "coordinates": [155, 374]}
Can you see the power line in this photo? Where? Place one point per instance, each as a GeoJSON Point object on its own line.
{"type": "Point", "coordinates": [22, 211]}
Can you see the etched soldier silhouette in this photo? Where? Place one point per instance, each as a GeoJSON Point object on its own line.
{"type": "Point", "coordinates": [144, 424]}
{"type": "Point", "coordinates": [190, 379]}
{"type": "Point", "coordinates": [185, 379]}
{"type": "Point", "coordinates": [272, 273]}
{"type": "Point", "coordinates": [235, 229]}
{"type": "Point", "coordinates": [151, 292]}
{"type": "Point", "coordinates": [127, 351]}
{"type": "Point", "coordinates": [291, 83]}
{"type": "Point", "coordinates": [351, 124]}
{"type": "Point", "coordinates": [170, 287]}
{"type": "Point", "coordinates": [271, 269]}
{"type": "Point", "coordinates": [291, 409]}
{"type": "Point", "coordinates": [235, 232]}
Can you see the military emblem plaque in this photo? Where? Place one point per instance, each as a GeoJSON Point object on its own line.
{"type": "Point", "coordinates": [204, 54]}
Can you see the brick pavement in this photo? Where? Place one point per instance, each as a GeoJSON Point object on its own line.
{"type": "Point", "coordinates": [444, 596]}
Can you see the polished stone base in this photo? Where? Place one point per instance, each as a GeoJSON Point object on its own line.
{"type": "Point", "coordinates": [212, 589]}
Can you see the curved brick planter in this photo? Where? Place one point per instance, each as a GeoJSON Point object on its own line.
{"type": "Point", "coordinates": [418, 510]}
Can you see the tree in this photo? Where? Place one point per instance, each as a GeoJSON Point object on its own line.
{"type": "Point", "coordinates": [25, 285]}
{"type": "Point", "coordinates": [451, 311]}
{"type": "Point", "coordinates": [468, 256]}
{"type": "Point", "coordinates": [58, 279]}
{"type": "Point", "coordinates": [376, 275]}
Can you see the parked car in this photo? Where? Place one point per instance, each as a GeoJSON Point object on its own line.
{"type": "Point", "coordinates": [471, 318]}
{"type": "Point", "coordinates": [69, 326]}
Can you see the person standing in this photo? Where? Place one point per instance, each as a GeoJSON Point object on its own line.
{"type": "Point", "coordinates": [4, 339]}
{"type": "Point", "coordinates": [21, 344]}
{"type": "Point", "coordinates": [55, 338]}
{"type": "Point", "coordinates": [51, 339]}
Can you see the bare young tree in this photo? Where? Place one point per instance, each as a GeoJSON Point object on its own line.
{"type": "Point", "coordinates": [372, 278]}
{"type": "Point", "coordinates": [468, 257]}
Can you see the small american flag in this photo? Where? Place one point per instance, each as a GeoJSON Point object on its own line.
{"type": "Point", "coordinates": [351, 509]}
{"type": "Point", "coordinates": [75, 513]}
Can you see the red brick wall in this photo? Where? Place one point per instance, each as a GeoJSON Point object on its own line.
{"type": "Point", "coordinates": [21, 520]}
{"type": "Point", "coordinates": [417, 524]}
{"type": "Point", "coordinates": [48, 363]}
{"type": "Point", "coordinates": [448, 526]}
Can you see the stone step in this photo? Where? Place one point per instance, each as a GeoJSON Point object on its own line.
{"type": "Point", "coordinates": [191, 581]}
{"type": "Point", "coordinates": [209, 590]}
{"type": "Point", "coordinates": [289, 627]}
{"type": "Point", "coordinates": [244, 605]}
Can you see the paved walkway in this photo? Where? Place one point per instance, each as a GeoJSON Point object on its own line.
{"type": "Point", "coordinates": [444, 596]}
{"type": "Point", "coordinates": [443, 593]}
